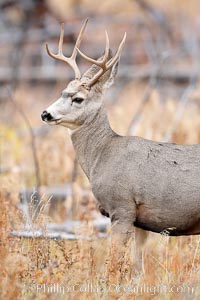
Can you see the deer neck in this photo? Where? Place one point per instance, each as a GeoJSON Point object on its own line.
{"type": "Point", "coordinates": [91, 138]}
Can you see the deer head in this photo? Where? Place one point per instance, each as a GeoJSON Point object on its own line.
{"type": "Point", "coordinates": [83, 96]}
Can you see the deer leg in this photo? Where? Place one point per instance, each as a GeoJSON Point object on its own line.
{"type": "Point", "coordinates": [122, 225]}
{"type": "Point", "coordinates": [126, 239]}
{"type": "Point", "coordinates": [122, 230]}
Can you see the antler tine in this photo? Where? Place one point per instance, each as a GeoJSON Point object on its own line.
{"type": "Point", "coordinates": [98, 63]}
{"type": "Point", "coordinates": [106, 65]}
{"type": "Point", "coordinates": [60, 53]}
{"type": "Point", "coordinates": [117, 55]}
{"type": "Point", "coordinates": [72, 59]}
{"type": "Point", "coordinates": [79, 39]}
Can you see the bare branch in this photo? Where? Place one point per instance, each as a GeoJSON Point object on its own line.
{"type": "Point", "coordinates": [157, 15]}
{"type": "Point", "coordinates": [158, 63]}
{"type": "Point", "coordinates": [32, 136]}
{"type": "Point", "coordinates": [182, 105]}
{"type": "Point", "coordinates": [187, 93]}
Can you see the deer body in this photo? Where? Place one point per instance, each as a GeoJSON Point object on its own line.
{"type": "Point", "coordinates": [137, 182]}
{"type": "Point", "coordinates": [157, 184]}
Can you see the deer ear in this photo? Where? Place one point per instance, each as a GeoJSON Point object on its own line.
{"type": "Point", "coordinates": [112, 76]}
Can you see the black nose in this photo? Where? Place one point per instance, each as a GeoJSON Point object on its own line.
{"type": "Point", "coordinates": [46, 116]}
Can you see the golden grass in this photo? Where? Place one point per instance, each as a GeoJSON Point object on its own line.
{"type": "Point", "coordinates": [56, 269]}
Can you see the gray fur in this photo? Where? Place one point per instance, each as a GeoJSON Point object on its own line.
{"type": "Point", "coordinates": [137, 182]}
{"type": "Point", "coordinates": [154, 186]}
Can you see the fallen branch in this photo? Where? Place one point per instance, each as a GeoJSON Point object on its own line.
{"type": "Point", "coordinates": [65, 231]}
{"type": "Point", "coordinates": [101, 224]}
{"type": "Point", "coordinates": [53, 235]}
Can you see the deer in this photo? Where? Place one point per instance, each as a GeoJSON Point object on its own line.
{"type": "Point", "coordinates": [138, 183]}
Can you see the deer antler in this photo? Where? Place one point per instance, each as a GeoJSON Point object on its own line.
{"type": "Point", "coordinates": [104, 64]}
{"type": "Point", "coordinates": [72, 59]}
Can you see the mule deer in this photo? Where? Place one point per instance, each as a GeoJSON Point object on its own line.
{"type": "Point", "coordinates": [137, 182]}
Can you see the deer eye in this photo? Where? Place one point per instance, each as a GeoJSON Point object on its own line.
{"type": "Point", "coordinates": [78, 100]}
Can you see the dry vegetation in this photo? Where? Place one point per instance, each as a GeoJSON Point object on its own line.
{"type": "Point", "coordinates": [84, 269]}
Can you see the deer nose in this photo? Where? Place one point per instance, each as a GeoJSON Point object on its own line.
{"type": "Point", "coordinates": [46, 116]}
